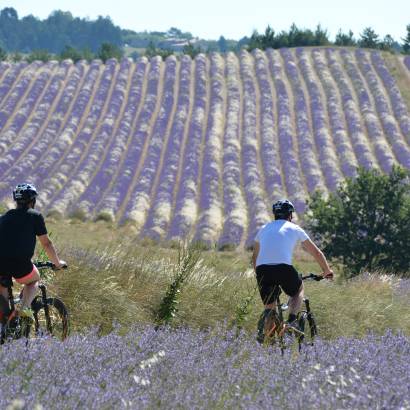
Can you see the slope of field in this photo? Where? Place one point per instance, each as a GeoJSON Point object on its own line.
{"type": "Point", "coordinates": [200, 147]}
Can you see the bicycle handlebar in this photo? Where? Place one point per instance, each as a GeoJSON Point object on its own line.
{"type": "Point", "coordinates": [48, 264]}
{"type": "Point", "coordinates": [312, 276]}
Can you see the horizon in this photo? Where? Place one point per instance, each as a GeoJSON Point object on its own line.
{"type": "Point", "coordinates": [205, 24]}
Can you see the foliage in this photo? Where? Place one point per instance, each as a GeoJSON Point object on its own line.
{"type": "Point", "coordinates": [71, 53]}
{"type": "Point", "coordinates": [108, 51]}
{"type": "Point", "coordinates": [39, 55]}
{"type": "Point", "coordinates": [188, 258]}
{"type": "Point", "coordinates": [16, 57]}
{"type": "Point", "coordinates": [191, 50]}
{"type": "Point", "coordinates": [369, 38]}
{"type": "Point", "coordinates": [365, 223]}
{"type": "Point", "coordinates": [152, 51]}
{"type": "Point", "coordinates": [406, 41]}
{"type": "Point", "coordinates": [3, 54]}
{"type": "Point", "coordinates": [345, 40]}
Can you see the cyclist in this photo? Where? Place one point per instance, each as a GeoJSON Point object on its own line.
{"type": "Point", "coordinates": [18, 230]}
{"type": "Point", "coordinates": [272, 261]}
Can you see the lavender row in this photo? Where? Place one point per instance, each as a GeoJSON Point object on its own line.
{"type": "Point", "coordinates": [398, 105]}
{"type": "Point", "coordinates": [95, 174]}
{"type": "Point", "coordinates": [360, 143]}
{"type": "Point", "coordinates": [23, 138]}
{"type": "Point", "coordinates": [54, 170]}
{"type": "Point", "coordinates": [374, 131]}
{"type": "Point", "coordinates": [7, 84]}
{"type": "Point", "coordinates": [159, 216]}
{"type": "Point", "coordinates": [210, 218]}
{"type": "Point", "coordinates": [252, 181]}
{"type": "Point", "coordinates": [327, 156]}
{"type": "Point", "coordinates": [235, 208]}
{"type": "Point", "coordinates": [188, 369]}
{"type": "Point", "coordinates": [114, 202]}
{"type": "Point", "coordinates": [33, 157]}
{"type": "Point", "coordinates": [140, 201]}
{"type": "Point", "coordinates": [15, 97]}
{"type": "Point", "coordinates": [186, 206]}
{"type": "Point", "coordinates": [269, 152]}
{"type": "Point", "coordinates": [391, 130]}
{"type": "Point", "coordinates": [96, 134]}
{"type": "Point", "coordinates": [306, 143]}
{"type": "Point", "coordinates": [344, 151]}
{"type": "Point", "coordinates": [291, 170]}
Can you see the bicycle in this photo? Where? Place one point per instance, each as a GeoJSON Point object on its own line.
{"type": "Point", "coordinates": [273, 328]}
{"type": "Point", "coordinates": [50, 313]}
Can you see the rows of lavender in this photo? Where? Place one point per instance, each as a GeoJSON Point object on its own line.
{"type": "Point", "coordinates": [188, 369]}
{"type": "Point", "coordinates": [198, 147]}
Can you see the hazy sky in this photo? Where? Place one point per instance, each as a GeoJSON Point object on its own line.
{"type": "Point", "coordinates": [234, 19]}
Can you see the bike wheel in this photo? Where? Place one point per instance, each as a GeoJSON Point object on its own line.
{"type": "Point", "coordinates": [50, 318]}
{"type": "Point", "coordinates": [308, 326]}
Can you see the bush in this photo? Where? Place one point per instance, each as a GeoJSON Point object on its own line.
{"type": "Point", "coordinates": [365, 223]}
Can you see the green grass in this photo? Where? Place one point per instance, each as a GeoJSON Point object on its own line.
{"type": "Point", "coordinates": [114, 278]}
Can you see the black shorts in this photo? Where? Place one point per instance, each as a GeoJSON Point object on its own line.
{"type": "Point", "coordinates": [270, 277]}
{"type": "Point", "coordinates": [15, 267]}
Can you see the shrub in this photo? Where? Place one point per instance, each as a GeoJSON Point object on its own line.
{"type": "Point", "coordinates": [365, 223]}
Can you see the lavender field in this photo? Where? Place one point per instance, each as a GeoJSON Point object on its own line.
{"type": "Point", "coordinates": [187, 369]}
{"type": "Point", "coordinates": [200, 147]}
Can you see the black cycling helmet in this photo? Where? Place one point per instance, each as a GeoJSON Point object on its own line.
{"type": "Point", "coordinates": [24, 193]}
{"type": "Point", "coordinates": [283, 208]}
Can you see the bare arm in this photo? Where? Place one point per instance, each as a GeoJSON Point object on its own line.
{"type": "Point", "coordinates": [255, 254]}
{"type": "Point", "coordinates": [50, 250]}
{"type": "Point", "coordinates": [311, 248]}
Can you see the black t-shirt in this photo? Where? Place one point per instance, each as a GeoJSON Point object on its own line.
{"type": "Point", "coordinates": [18, 231]}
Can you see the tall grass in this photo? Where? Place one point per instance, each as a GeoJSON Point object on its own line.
{"type": "Point", "coordinates": [129, 283]}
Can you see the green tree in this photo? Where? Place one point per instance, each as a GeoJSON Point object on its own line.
{"type": "Point", "coordinates": [387, 43]}
{"type": "Point", "coordinates": [191, 50]}
{"type": "Point", "coordinates": [369, 38]}
{"type": "Point", "coordinates": [152, 51]}
{"type": "Point", "coordinates": [3, 54]}
{"type": "Point", "coordinates": [39, 55]}
{"type": "Point", "coordinates": [406, 41]}
{"type": "Point", "coordinates": [108, 50]}
{"type": "Point", "coordinates": [71, 53]}
{"type": "Point", "coordinates": [345, 40]}
{"type": "Point", "coordinates": [366, 222]}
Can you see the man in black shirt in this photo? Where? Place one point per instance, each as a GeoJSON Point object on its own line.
{"type": "Point", "coordinates": [18, 231]}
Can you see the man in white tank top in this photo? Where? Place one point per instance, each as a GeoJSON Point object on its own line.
{"type": "Point", "coordinates": [272, 259]}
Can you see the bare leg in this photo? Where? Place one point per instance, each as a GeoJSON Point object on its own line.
{"type": "Point", "coordinates": [29, 292]}
{"type": "Point", "coordinates": [295, 302]}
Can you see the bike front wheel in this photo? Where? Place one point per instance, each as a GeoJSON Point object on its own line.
{"type": "Point", "coordinates": [307, 325]}
{"type": "Point", "coordinates": [50, 318]}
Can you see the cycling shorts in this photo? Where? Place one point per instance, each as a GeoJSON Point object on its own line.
{"type": "Point", "coordinates": [19, 269]}
{"type": "Point", "coordinates": [273, 277]}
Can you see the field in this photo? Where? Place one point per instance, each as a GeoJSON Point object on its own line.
{"type": "Point", "coordinates": [132, 158]}
{"type": "Point", "coordinates": [200, 147]}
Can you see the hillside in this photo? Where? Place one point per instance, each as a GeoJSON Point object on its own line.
{"type": "Point", "coordinates": [199, 147]}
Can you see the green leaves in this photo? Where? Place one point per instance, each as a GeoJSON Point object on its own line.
{"type": "Point", "coordinates": [365, 223]}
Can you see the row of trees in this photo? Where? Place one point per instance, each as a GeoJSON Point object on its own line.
{"type": "Point", "coordinates": [297, 37]}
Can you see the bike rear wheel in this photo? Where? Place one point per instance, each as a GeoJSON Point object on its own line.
{"type": "Point", "coordinates": [50, 318]}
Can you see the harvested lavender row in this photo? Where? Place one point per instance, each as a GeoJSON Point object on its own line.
{"type": "Point", "coordinates": [160, 213]}
{"type": "Point", "coordinates": [186, 207]}
{"type": "Point", "coordinates": [184, 368]}
{"type": "Point", "coordinates": [235, 209]}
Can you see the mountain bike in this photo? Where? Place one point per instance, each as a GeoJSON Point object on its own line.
{"type": "Point", "coordinates": [50, 313]}
{"type": "Point", "coordinates": [274, 329]}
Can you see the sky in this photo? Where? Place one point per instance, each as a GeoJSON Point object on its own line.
{"type": "Point", "coordinates": [233, 19]}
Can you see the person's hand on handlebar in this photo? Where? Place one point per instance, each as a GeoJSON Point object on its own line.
{"type": "Point", "coordinates": [328, 274]}
{"type": "Point", "coordinates": [61, 265]}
